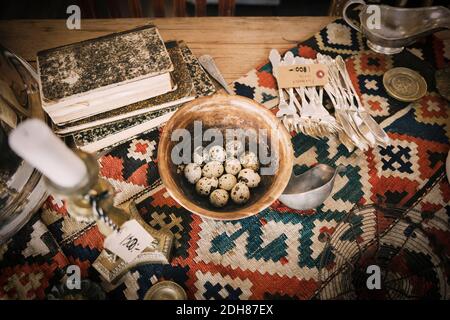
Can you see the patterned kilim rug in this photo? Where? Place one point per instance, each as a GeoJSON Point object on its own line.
{"type": "Point", "coordinates": [276, 253]}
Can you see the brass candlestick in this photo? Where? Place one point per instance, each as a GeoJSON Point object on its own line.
{"type": "Point", "coordinates": [92, 200]}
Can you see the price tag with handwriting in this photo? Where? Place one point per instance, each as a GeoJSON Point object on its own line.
{"type": "Point", "coordinates": [302, 75]}
{"type": "Point", "coordinates": [129, 241]}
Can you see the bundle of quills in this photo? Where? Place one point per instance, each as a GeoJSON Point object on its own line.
{"type": "Point", "coordinates": [224, 173]}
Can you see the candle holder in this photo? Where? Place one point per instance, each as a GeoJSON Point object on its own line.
{"type": "Point", "coordinates": [92, 200]}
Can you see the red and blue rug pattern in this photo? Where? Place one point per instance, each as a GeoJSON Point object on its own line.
{"type": "Point", "coordinates": [276, 253]}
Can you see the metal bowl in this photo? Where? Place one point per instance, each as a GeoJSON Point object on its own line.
{"type": "Point", "coordinates": [224, 112]}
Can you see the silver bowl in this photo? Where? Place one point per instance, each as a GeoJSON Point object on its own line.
{"type": "Point", "coordinates": [310, 189]}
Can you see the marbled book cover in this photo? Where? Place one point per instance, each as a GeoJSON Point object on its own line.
{"type": "Point", "coordinates": [203, 84]}
{"type": "Point", "coordinates": [81, 67]}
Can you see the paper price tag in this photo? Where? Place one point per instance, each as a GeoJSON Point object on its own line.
{"type": "Point", "coordinates": [129, 241]}
{"type": "Point", "coordinates": [302, 75]}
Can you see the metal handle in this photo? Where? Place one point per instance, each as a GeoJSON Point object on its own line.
{"type": "Point", "coordinates": [346, 18]}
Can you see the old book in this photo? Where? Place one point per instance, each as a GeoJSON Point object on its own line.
{"type": "Point", "coordinates": [183, 92]}
{"type": "Point", "coordinates": [94, 76]}
{"type": "Point", "coordinates": [107, 136]}
{"type": "Point", "coordinates": [111, 134]}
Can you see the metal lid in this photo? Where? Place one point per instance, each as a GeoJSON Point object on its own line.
{"type": "Point", "coordinates": [404, 84]}
{"type": "Point", "coordinates": [166, 290]}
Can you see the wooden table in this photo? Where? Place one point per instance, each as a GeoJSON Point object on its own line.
{"type": "Point", "coordinates": [237, 44]}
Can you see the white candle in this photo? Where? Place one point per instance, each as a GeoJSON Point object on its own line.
{"type": "Point", "coordinates": [35, 143]}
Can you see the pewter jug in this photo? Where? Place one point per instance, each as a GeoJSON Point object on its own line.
{"type": "Point", "coordinates": [22, 189]}
{"type": "Point", "coordinates": [396, 27]}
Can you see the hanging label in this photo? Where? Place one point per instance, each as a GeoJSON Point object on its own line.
{"type": "Point", "coordinates": [302, 75]}
{"type": "Point", "coordinates": [129, 241]}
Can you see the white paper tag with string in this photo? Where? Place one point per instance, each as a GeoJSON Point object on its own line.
{"type": "Point", "coordinates": [302, 75]}
{"type": "Point", "coordinates": [129, 241]}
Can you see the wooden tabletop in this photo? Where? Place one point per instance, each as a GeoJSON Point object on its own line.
{"type": "Point", "coordinates": [237, 44]}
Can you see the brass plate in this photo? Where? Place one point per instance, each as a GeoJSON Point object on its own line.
{"type": "Point", "coordinates": [404, 84]}
{"type": "Point", "coordinates": [166, 290]}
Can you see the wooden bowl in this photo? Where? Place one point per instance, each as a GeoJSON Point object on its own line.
{"type": "Point", "coordinates": [226, 112]}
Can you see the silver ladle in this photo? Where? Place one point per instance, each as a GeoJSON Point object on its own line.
{"type": "Point", "coordinates": [310, 189]}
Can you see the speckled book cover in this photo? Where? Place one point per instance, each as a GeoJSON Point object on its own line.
{"type": "Point", "coordinates": [203, 84]}
{"type": "Point", "coordinates": [81, 67]}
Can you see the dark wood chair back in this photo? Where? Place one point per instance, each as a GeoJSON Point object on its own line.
{"type": "Point", "coordinates": [89, 8]}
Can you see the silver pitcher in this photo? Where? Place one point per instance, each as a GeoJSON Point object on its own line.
{"type": "Point", "coordinates": [22, 189]}
{"type": "Point", "coordinates": [397, 27]}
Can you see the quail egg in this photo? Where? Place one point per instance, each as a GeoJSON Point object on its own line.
{"type": "Point", "coordinates": [205, 185]}
{"type": "Point", "coordinates": [249, 177]}
{"type": "Point", "coordinates": [201, 156]}
{"type": "Point", "coordinates": [232, 166]}
{"type": "Point", "coordinates": [212, 169]}
{"type": "Point", "coordinates": [217, 153]}
{"type": "Point", "coordinates": [180, 168]}
{"type": "Point", "coordinates": [234, 148]}
{"type": "Point", "coordinates": [249, 160]}
{"type": "Point", "coordinates": [192, 172]}
{"type": "Point", "coordinates": [240, 193]}
{"type": "Point", "coordinates": [219, 198]}
{"type": "Point", "coordinates": [227, 181]}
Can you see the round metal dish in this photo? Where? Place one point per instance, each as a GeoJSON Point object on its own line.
{"type": "Point", "coordinates": [404, 84]}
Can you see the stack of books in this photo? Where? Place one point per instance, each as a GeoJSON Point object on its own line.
{"type": "Point", "coordinates": [101, 92]}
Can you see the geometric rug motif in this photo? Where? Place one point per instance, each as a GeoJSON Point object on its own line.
{"type": "Point", "coordinates": [276, 253]}
{"type": "Point", "coordinates": [31, 263]}
{"type": "Point", "coordinates": [217, 287]}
